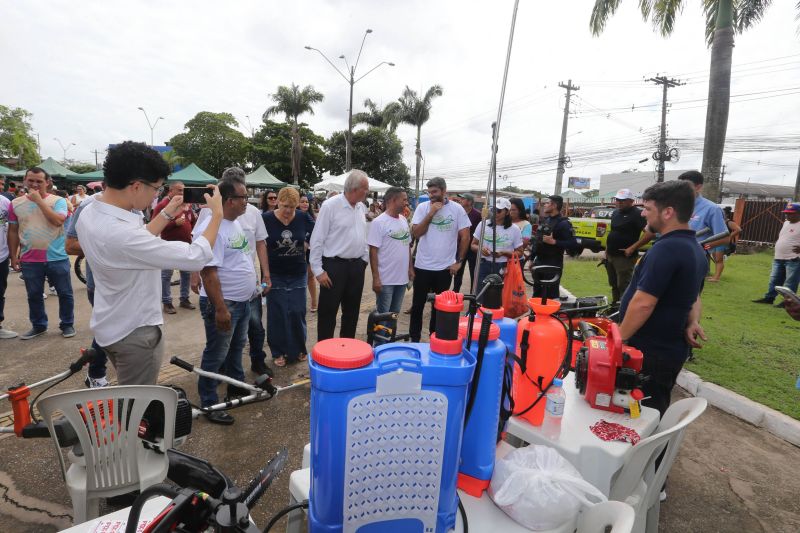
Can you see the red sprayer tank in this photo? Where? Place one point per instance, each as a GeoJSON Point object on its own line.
{"type": "Point", "coordinates": [541, 345]}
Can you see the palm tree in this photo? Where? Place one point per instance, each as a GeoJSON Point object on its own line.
{"type": "Point", "coordinates": [415, 111]}
{"type": "Point", "coordinates": [293, 102]}
{"type": "Point", "coordinates": [172, 159]}
{"type": "Point", "coordinates": [724, 19]}
{"type": "Point", "coordinates": [375, 117]}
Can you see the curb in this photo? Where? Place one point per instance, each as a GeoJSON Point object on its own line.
{"type": "Point", "coordinates": [782, 426]}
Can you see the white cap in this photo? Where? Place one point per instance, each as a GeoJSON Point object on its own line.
{"type": "Point", "coordinates": [624, 194]}
{"type": "Point", "coordinates": [502, 203]}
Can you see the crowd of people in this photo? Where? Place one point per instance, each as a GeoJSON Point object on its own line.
{"type": "Point", "coordinates": [236, 257]}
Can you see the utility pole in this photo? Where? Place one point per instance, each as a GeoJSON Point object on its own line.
{"type": "Point", "coordinates": [796, 197]}
{"type": "Point", "coordinates": [562, 161]}
{"type": "Point", "coordinates": [721, 181]}
{"type": "Point", "coordinates": [662, 154]}
{"type": "Point", "coordinates": [96, 162]}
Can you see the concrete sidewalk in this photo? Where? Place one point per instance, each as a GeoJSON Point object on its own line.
{"type": "Point", "coordinates": [729, 476]}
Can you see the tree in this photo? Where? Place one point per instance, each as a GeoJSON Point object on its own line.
{"type": "Point", "coordinates": [271, 147]}
{"type": "Point", "coordinates": [172, 159]}
{"type": "Point", "coordinates": [293, 102]}
{"type": "Point", "coordinates": [16, 139]}
{"type": "Point", "coordinates": [376, 117]}
{"type": "Point", "coordinates": [724, 18]}
{"type": "Point", "coordinates": [376, 151]}
{"type": "Point", "coordinates": [82, 168]}
{"type": "Point", "coordinates": [211, 142]}
{"type": "Point", "coordinates": [415, 111]}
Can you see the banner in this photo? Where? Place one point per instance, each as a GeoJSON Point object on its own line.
{"type": "Point", "coordinates": [579, 183]}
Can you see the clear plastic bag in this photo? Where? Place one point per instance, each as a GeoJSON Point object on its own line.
{"type": "Point", "coordinates": [540, 489]}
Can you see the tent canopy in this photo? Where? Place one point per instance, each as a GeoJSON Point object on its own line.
{"type": "Point", "coordinates": [192, 175]}
{"type": "Point", "coordinates": [262, 178]}
{"type": "Point", "coordinates": [97, 175]}
{"type": "Point", "coordinates": [336, 183]}
{"type": "Point", "coordinates": [52, 167]}
{"type": "Point", "coordinates": [5, 171]}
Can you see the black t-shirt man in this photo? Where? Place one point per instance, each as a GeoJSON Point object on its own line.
{"type": "Point", "coordinates": [626, 228]}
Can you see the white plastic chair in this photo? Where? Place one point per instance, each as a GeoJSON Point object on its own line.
{"type": "Point", "coordinates": [638, 483]}
{"type": "Point", "coordinates": [114, 460]}
{"type": "Point", "coordinates": [618, 516]}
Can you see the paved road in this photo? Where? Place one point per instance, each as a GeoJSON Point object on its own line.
{"type": "Point", "coordinates": [728, 477]}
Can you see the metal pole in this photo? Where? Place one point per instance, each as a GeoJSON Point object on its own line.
{"type": "Point", "coordinates": [797, 185]}
{"type": "Point", "coordinates": [348, 164]}
{"type": "Point", "coordinates": [491, 182]}
{"type": "Point", "coordinates": [662, 141]}
{"type": "Point", "coordinates": [562, 147]}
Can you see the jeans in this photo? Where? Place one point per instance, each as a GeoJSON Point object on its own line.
{"type": "Point", "coordinates": [223, 348]}
{"type": "Point", "coordinates": [426, 281]}
{"type": "Point", "coordinates": [58, 272]}
{"type": "Point", "coordinates": [390, 299]}
{"type": "Point", "coordinates": [255, 330]}
{"type": "Point", "coordinates": [166, 290]}
{"type": "Point", "coordinates": [286, 316]}
{"type": "Point", "coordinates": [3, 285]}
{"type": "Point", "coordinates": [785, 272]}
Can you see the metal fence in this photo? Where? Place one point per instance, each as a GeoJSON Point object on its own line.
{"type": "Point", "coordinates": [761, 221]}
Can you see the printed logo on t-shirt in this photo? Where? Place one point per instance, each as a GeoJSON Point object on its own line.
{"type": "Point", "coordinates": [287, 246]}
{"type": "Point", "coordinates": [443, 224]}
{"type": "Point", "coordinates": [402, 235]}
{"type": "Point", "coordinates": [502, 240]}
{"type": "Point", "coordinates": [239, 242]}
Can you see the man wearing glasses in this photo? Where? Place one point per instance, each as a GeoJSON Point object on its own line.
{"type": "Point", "coordinates": [127, 258]}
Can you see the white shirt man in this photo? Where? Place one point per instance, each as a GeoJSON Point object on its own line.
{"type": "Point", "coordinates": [442, 228]}
{"type": "Point", "coordinates": [786, 263]}
{"type": "Point", "coordinates": [389, 241]}
{"type": "Point", "coordinates": [339, 256]}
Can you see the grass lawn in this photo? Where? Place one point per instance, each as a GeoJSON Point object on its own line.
{"type": "Point", "coordinates": [752, 348]}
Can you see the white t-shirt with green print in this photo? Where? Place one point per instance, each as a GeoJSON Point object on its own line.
{"type": "Point", "coordinates": [232, 258]}
{"type": "Point", "coordinates": [437, 249]}
{"type": "Point", "coordinates": [508, 240]}
{"type": "Point", "coordinates": [392, 237]}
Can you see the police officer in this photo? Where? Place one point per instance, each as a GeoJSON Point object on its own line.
{"type": "Point", "coordinates": [554, 236]}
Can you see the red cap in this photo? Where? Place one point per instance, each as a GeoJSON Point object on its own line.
{"type": "Point", "coordinates": [342, 353]}
{"type": "Point", "coordinates": [447, 347]}
{"type": "Point", "coordinates": [497, 314]}
{"type": "Point", "coordinates": [449, 302]}
{"type": "Point", "coordinates": [637, 395]}
{"type": "Point", "coordinates": [494, 331]}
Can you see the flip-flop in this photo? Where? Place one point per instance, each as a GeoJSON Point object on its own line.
{"type": "Point", "coordinates": [302, 357]}
{"type": "Point", "coordinates": [280, 361]}
{"type": "Point", "coordinates": [313, 309]}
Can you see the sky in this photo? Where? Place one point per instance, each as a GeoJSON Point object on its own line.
{"type": "Point", "coordinates": [83, 70]}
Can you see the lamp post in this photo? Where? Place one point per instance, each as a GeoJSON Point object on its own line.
{"type": "Point", "coordinates": [351, 81]}
{"type": "Point", "coordinates": [63, 148]}
{"type": "Point", "coordinates": [152, 126]}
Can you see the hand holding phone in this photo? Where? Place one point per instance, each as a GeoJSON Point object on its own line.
{"type": "Point", "coordinates": [194, 195]}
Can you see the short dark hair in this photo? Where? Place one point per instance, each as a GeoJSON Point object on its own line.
{"type": "Point", "coordinates": [227, 188]}
{"type": "Point", "coordinates": [131, 161]}
{"type": "Point", "coordinates": [558, 200]}
{"type": "Point", "coordinates": [38, 170]}
{"type": "Point", "coordinates": [678, 195]}
{"type": "Point", "coordinates": [391, 193]}
{"type": "Point", "coordinates": [437, 182]}
{"type": "Point", "coordinates": [693, 176]}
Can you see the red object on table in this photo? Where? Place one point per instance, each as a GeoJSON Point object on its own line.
{"type": "Point", "coordinates": [609, 431]}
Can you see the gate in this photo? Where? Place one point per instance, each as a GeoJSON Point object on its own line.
{"type": "Point", "coordinates": [761, 221]}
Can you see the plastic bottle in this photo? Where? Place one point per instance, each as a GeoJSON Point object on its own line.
{"type": "Point", "coordinates": [554, 410]}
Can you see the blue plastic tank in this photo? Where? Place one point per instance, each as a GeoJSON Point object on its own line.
{"type": "Point", "coordinates": [480, 431]}
{"type": "Point", "coordinates": [508, 327]}
{"type": "Point", "coordinates": [386, 435]}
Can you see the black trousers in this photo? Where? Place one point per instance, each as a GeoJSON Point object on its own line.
{"type": "Point", "coordinates": [470, 260]}
{"type": "Point", "coordinates": [662, 365]}
{"type": "Point", "coordinates": [347, 278]}
{"type": "Point", "coordinates": [426, 281]}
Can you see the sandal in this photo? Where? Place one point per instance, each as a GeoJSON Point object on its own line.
{"type": "Point", "coordinates": [302, 357]}
{"type": "Point", "coordinates": [313, 309]}
{"type": "Point", "coordinates": [280, 361]}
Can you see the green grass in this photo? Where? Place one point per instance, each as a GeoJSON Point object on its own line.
{"type": "Point", "coordinates": [751, 348]}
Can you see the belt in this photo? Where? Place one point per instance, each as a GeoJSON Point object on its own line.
{"type": "Point", "coordinates": [344, 259]}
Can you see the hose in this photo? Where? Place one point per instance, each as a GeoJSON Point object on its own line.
{"type": "Point", "coordinates": [160, 489]}
{"type": "Point", "coordinates": [280, 514]}
{"type": "Point", "coordinates": [463, 513]}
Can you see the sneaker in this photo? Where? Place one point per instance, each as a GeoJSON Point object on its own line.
{"type": "Point", "coordinates": [186, 304]}
{"type": "Point", "coordinates": [31, 333]}
{"type": "Point", "coordinates": [763, 301]}
{"type": "Point", "coordinates": [95, 383]}
{"type": "Point", "coordinates": [52, 290]}
{"type": "Point", "coordinates": [781, 305]}
{"type": "Point", "coordinates": [169, 309]}
{"type": "Point", "coordinates": [220, 417]}
{"type": "Point", "coordinates": [662, 496]}
{"type": "Point", "coordinates": [67, 332]}
{"type": "Point", "coordinates": [7, 333]}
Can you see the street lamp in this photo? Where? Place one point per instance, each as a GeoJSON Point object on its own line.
{"type": "Point", "coordinates": [152, 126]}
{"type": "Point", "coordinates": [63, 148]}
{"type": "Point", "coordinates": [351, 80]}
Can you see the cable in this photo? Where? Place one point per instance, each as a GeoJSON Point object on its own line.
{"type": "Point", "coordinates": [463, 513]}
{"type": "Point", "coordinates": [36, 399]}
{"type": "Point", "coordinates": [161, 489]}
{"type": "Point", "coordinates": [280, 514]}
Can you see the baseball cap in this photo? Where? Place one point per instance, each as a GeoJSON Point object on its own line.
{"type": "Point", "coordinates": [502, 203]}
{"type": "Point", "coordinates": [466, 196]}
{"type": "Point", "coordinates": [792, 208]}
{"type": "Point", "coordinates": [624, 194]}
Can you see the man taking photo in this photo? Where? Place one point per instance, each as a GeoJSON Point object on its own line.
{"type": "Point", "coordinates": [127, 259]}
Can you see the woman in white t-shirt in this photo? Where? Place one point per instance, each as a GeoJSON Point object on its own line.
{"type": "Point", "coordinates": [78, 197]}
{"type": "Point", "coordinates": [496, 251]}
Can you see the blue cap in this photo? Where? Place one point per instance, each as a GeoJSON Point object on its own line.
{"type": "Point", "coordinates": [557, 382]}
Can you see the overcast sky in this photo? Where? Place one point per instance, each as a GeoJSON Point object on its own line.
{"type": "Point", "coordinates": [83, 68]}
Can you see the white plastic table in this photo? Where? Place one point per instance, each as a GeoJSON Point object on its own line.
{"type": "Point", "coordinates": [115, 522]}
{"type": "Point", "coordinates": [597, 460]}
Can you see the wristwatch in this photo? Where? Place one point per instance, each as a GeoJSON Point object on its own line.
{"type": "Point", "coordinates": [167, 216]}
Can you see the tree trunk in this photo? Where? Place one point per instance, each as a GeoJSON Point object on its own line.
{"type": "Point", "coordinates": [296, 153]}
{"type": "Point", "coordinates": [419, 158]}
{"type": "Point", "coordinates": [719, 94]}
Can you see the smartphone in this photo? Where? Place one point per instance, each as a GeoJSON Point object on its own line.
{"type": "Point", "coordinates": [787, 293]}
{"type": "Point", "coordinates": [194, 195]}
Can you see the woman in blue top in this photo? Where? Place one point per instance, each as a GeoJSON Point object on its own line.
{"type": "Point", "coordinates": [287, 229]}
{"type": "Point", "coordinates": [519, 217]}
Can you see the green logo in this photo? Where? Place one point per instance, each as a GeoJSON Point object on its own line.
{"type": "Point", "coordinates": [441, 223]}
{"type": "Point", "coordinates": [402, 235]}
{"type": "Point", "coordinates": [239, 242]}
{"type": "Point", "coordinates": [500, 241]}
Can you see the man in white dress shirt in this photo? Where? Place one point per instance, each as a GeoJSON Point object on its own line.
{"type": "Point", "coordinates": [127, 258]}
{"type": "Point", "coordinates": [339, 256]}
